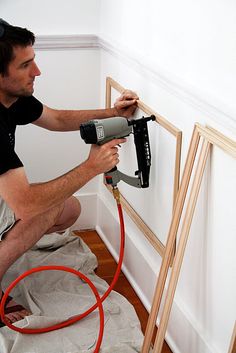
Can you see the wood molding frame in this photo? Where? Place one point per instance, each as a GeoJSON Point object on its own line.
{"type": "Point", "coordinates": [208, 138]}
{"type": "Point", "coordinates": [149, 234]}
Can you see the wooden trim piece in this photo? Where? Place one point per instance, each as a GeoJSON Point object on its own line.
{"type": "Point", "coordinates": [159, 119]}
{"type": "Point", "coordinates": [108, 93]}
{"type": "Point", "coordinates": [218, 139]}
{"type": "Point", "coordinates": [115, 85]}
{"type": "Point", "coordinates": [181, 247]}
{"type": "Point", "coordinates": [177, 165]}
{"type": "Point", "coordinates": [232, 346]}
{"type": "Point", "coordinates": [152, 238]}
{"type": "Point", "coordinates": [209, 138]}
{"type": "Point", "coordinates": [171, 240]}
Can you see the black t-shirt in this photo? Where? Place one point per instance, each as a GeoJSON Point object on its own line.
{"type": "Point", "coordinates": [24, 111]}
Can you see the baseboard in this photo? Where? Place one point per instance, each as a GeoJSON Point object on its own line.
{"type": "Point", "coordinates": [183, 335]}
{"type": "Point", "coordinates": [88, 217]}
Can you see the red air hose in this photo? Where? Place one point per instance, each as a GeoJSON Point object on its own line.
{"type": "Point", "coordinates": [99, 299]}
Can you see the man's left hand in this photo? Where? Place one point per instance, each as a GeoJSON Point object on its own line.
{"type": "Point", "coordinates": [126, 104]}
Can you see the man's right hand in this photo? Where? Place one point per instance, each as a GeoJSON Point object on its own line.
{"type": "Point", "coordinates": [105, 157]}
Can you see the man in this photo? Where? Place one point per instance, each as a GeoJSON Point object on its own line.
{"type": "Point", "coordinates": [28, 211]}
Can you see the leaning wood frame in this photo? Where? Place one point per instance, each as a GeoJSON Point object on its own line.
{"type": "Point", "coordinates": [149, 234]}
{"type": "Point", "coordinates": [208, 137]}
{"type": "Point", "coordinates": [232, 346]}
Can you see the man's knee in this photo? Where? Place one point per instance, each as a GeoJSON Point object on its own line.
{"type": "Point", "coordinates": [70, 213]}
{"type": "Point", "coordinates": [75, 208]}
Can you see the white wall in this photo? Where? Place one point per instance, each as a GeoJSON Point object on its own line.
{"type": "Point", "coordinates": [179, 57]}
{"type": "Point", "coordinates": [191, 42]}
{"type": "Point", "coordinates": [204, 287]}
{"type": "Point", "coordinates": [54, 16]}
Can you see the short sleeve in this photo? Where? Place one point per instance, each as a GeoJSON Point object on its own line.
{"type": "Point", "coordinates": [26, 110]}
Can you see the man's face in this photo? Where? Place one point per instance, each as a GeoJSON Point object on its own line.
{"type": "Point", "coordinates": [22, 71]}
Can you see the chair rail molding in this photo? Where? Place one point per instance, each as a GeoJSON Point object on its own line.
{"type": "Point", "coordinates": [64, 42]}
{"type": "Point", "coordinates": [217, 110]}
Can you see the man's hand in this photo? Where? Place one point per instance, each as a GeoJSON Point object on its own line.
{"type": "Point", "coordinates": [103, 158]}
{"type": "Point", "coordinates": [126, 104]}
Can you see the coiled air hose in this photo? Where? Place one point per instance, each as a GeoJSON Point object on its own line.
{"type": "Point", "coordinates": [99, 299]}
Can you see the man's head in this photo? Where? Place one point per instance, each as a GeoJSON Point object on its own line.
{"type": "Point", "coordinates": [11, 37]}
{"type": "Point", "coordinates": [17, 66]}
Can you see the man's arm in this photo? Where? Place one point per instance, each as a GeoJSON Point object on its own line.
{"type": "Point", "coordinates": [70, 120]}
{"type": "Point", "coordinates": [28, 200]}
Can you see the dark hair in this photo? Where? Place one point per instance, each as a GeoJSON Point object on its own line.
{"type": "Point", "coordinates": [10, 37]}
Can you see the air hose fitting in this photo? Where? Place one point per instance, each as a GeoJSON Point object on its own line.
{"type": "Point", "coordinates": [116, 194]}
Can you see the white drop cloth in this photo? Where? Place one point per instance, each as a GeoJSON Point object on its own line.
{"type": "Point", "coordinates": [54, 296]}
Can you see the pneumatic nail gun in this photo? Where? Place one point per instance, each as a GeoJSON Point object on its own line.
{"type": "Point", "coordinates": [104, 130]}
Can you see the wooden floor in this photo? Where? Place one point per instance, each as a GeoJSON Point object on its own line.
{"type": "Point", "coordinates": [106, 270]}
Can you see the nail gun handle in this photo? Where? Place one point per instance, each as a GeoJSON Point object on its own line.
{"type": "Point", "coordinates": [114, 176]}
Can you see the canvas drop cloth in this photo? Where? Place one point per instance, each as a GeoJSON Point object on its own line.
{"type": "Point", "coordinates": [54, 296]}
